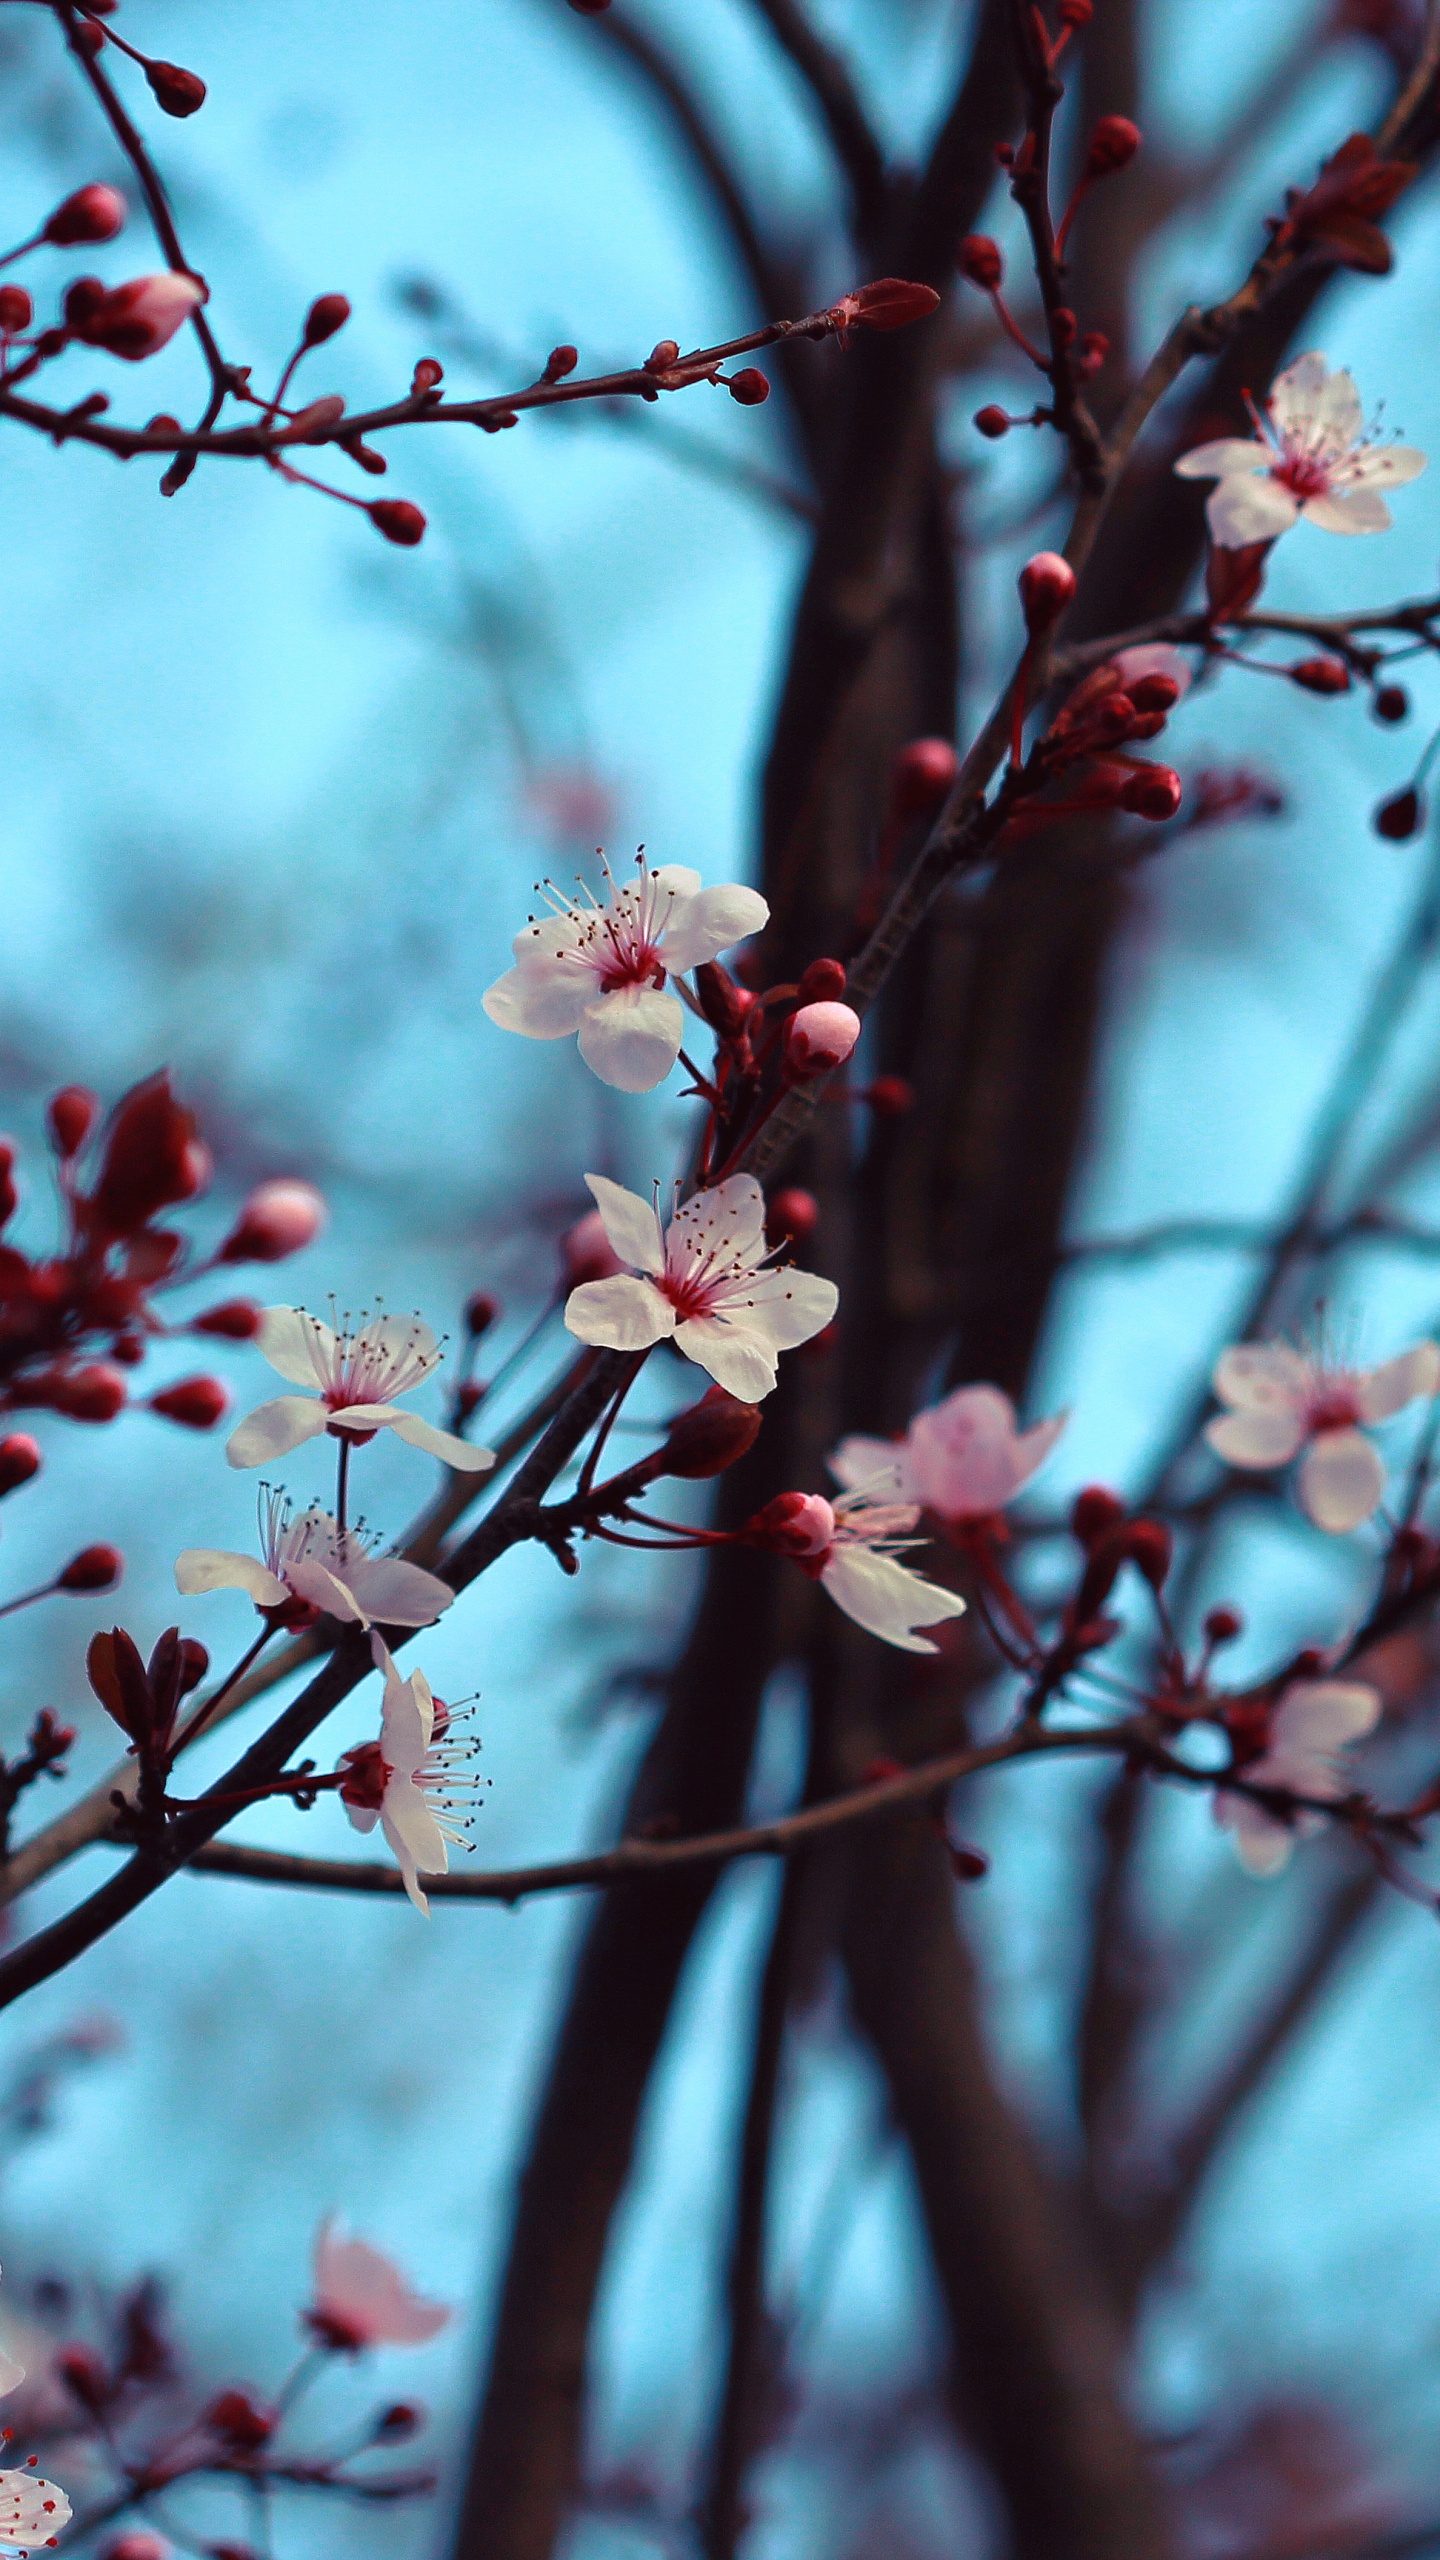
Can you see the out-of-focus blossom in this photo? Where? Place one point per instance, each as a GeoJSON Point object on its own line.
{"type": "Point", "coordinates": [408, 1781]}
{"type": "Point", "coordinates": [852, 1548]}
{"type": "Point", "coordinates": [601, 971]}
{"type": "Point", "coordinates": [1313, 1722]}
{"type": "Point", "coordinates": [963, 1459]}
{"type": "Point", "coordinates": [353, 1380]}
{"type": "Point", "coordinates": [311, 1565]}
{"type": "Point", "coordinates": [702, 1283]}
{"type": "Point", "coordinates": [133, 320]}
{"type": "Point", "coordinates": [1282, 1402]}
{"type": "Point", "coordinates": [1153, 658]}
{"type": "Point", "coordinates": [1312, 458]}
{"type": "Point", "coordinates": [362, 2298]}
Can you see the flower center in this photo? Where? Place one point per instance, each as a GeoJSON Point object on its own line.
{"type": "Point", "coordinates": [689, 1294]}
{"type": "Point", "coordinates": [1336, 1409]}
{"type": "Point", "coordinates": [367, 1775]}
{"type": "Point", "coordinates": [1303, 474]}
{"type": "Point", "coordinates": [637, 965]}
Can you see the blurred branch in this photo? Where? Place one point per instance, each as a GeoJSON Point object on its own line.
{"type": "Point", "coordinates": [828, 79]}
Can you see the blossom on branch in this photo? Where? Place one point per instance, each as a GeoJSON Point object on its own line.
{"type": "Point", "coordinates": [704, 1282]}
{"type": "Point", "coordinates": [1313, 1722]}
{"type": "Point", "coordinates": [363, 2300]}
{"type": "Point", "coordinates": [852, 1548]}
{"type": "Point", "coordinates": [1282, 1402]}
{"type": "Point", "coordinates": [312, 1567]}
{"type": "Point", "coordinates": [407, 1780]}
{"type": "Point", "coordinates": [354, 1379]}
{"type": "Point", "coordinates": [601, 971]}
{"type": "Point", "coordinates": [133, 320]}
{"type": "Point", "coordinates": [1311, 458]}
{"type": "Point", "coordinates": [963, 1459]}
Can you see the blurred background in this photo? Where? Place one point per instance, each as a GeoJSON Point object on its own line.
{"type": "Point", "coordinates": [274, 800]}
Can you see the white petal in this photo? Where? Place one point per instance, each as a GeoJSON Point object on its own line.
{"type": "Point", "coordinates": [780, 1308]}
{"type": "Point", "coordinates": [216, 1569]}
{"type": "Point", "coordinates": [1262, 1377]}
{"type": "Point", "coordinates": [622, 1314]}
{"type": "Point", "coordinates": [402, 1342]}
{"type": "Point", "coordinates": [729, 1220]}
{"type": "Point", "coordinates": [11, 2373]}
{"type": "Point", "coordinates": [737, 1359]}
{"type": "Point", "coordinates": [465, 1456]}
{"type": "Point", "coordinates": [541, 999]}
{"type": "Point", "coordinates": [877, 1465]}
{"type": "Point", "coordinates": [1250, 510]}
{"type": "Point", "coordinates": [1342, 1480]}
{"type": "Point", "coordinates": [1323, 1715]}
{"type": "Point", "coordinates": [631, 1038]}
{"type": "Point", "coordinates": [416, 1841]}
{"type": "Point", "coordinates": [1296, 394]}
{"type": "Point", "coordinates": [313, 1581]}
{"type": "Point", "coordinates": [1386, 466]}
{"type": "Point", "coordinates": [1224, 459]}
{"type": "Point", "coordinates": [883, 1596]}
{"type": "Point", "coordinates": [1396, 1383]}
{"type": "Point", "coordinates": [397, 1593]}
{"type": "Point", "coordinates": [1338, 413]}
{"type": "Point", "coordinates": [630, 1224]}
{"type": "Point", "coordinates": [362, 1817]}
{"type": "Point", "coordinates": [1262, 1844]}
{"type": "Point", "coordinates": [1255, 1439]}
{"type": "Point", "coordinates": [273, 1428]}
{"type": "Point", "coordinates": [710, 923]}
{"type": "Point", "coordinates": [298, 1345]}
{"type": "Point", "coordinates": [1365, 512]}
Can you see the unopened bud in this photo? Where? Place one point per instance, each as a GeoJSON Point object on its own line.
{"type": "Point", "coordinates": [136, 319]}
{"type": "Point", "coordinates": [326, 314]}
{"type": "Point", "coordinates": [397, 520]}
{"type": "Point", "coordinates": [750, 386]}
{"type": "Point", "coordinates": [1391, 703]}
{"type": "Point", "coordinates": [819, 1037]}
{"type": "Point", "coordinates": [1321, 675]}
{"type": "Point", "coordinates": [794, 1524]}
{"type": "Point", "coordinates": [790, 1216]}
{"type": "Point", "coordinates": [19, 1460]}
{"type": "Point", "coordinates": [586, 1252]}
{"type": "Point", "coordinates": [234, 2415]}
{"type": "Point", "coordinates": [1094, 348]}
{"type": "Point", "coordinates": [1155, 693]}
{"type": "Point", "coordinates": [822, 982]}
{"type": "Point", "coordinates": [921, 776]}
{"type": "Point", "coordinates": [1094, 1511]}
{"type": "Point", "coordinates": [178, 92]}
{"type": "Point", "coordinates": [1150, 1548]}
{"type": "Point", "coordinates": [279, 1218]}
{"type": "Point", "coordinates": [992, 421]}
{"type": "Point", "coordinates": [1064, 328]}
{"type": "Point", "coordinates": [426, 375]}
{"type": "Point", "coordinates": [92, 213]}
{"type": "Point", "coordinates": [234, 1320]}
{"type": "Point", "coordinates": [726, 1006]}
{"type": "Point", "coordinates": [890, 1097]}
{"type": "Point", "coordinates": [94, 1569]}
{"type": "Point", "coordinates": [84, 2374]}
{"type": "Point", "coordinates": [1113, 145]}
{"type": "Point", "coordinates": [198, 1403]}
{"type": "Point", "coordinates": [1222, 1626]}
{"type": "Point", "coordinates": [70, 1115]}
{"type": "Point", "coordinates": [1154, 793]}
{"type": "Point", "coordinates": [710, 1437]}
{"type": "Point", "coordinates": [979, 261]}
{"type": "Point", "coordinates": [16, 309]}
{"type": "Point", "coordinates": [481, 1311]}
{"type": "Point", "coordinates": [1046, 584]}
{"type": "Point", "coordinates": [1400, 816]}
{"type": "Point", "coordinates": [92, 1393]}
{"type": "Point", "coordinates": [559, 362]}
{"type": "Point", "coordinates": [662, 355]}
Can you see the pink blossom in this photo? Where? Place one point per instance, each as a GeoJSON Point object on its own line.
{"type": "Point", "coordinates": [312, 1565]}
{"type": "Point", "coordinates": [1313, 1722]}
{"type": "Point", "coordinates": [357, 1376]}
{"type": "Point", "coordinates": [409, 1781]}
{"type": "Point", "coordinates": [819, 1037]}
{"type": "Point", "coordinates": [363, 2300]}
{"type": "Point", "coordinates": [1282, 1402]}
{"type": "Point", "coordinates": [853, 1548]}
{"type": "Point", "coordinates": [1311, 458]}
{"type": "Point", "coordinates": [963, 1459]}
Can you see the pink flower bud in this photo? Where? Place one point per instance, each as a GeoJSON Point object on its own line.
{"type": "Point", "coordinates": [136, 319]}
{"type": "Point", "coordinates": [586, 1252]}
{"type": "Point", "coordinates": [1155, 793]}
{"type": "Point", "coordinates": [1113, 145]}
{"type": "Point", "coordinates": [92, 213]}
{"type": "Point", "coordinates": [16, 309]}
{"type": "Point", "coordinates": [94, 1392]}
{"type": "Point", "coordinates": [19, 1460]}
{"type": "Point", "coordinates": [94, 1569]}
{"type": "Point", "coordinates": [709, 1438]}
{"type": "Point", "coordinates": [70, 1115]}
{"type": "Point", "coordinates": [992, 421]}
{"type": "Point", "coordinates": [979, 261]}
{"type": "Point", "coordinates": [791, 1216]}
{"type": "Point", "coordinates": [278, 1218]}
{"type": "Point", "coordinates": [662, 355]}
{"type": "Point", "coordinates": [890, 1097]}
{"type": "Point", "coordinates": [397, 520]}
{"type": "Point", "coordinates": [178, 92]}
{"type": "Point", "coordinates": [1321, 675]}
{"type": "Point", "coordinates": [326, 314]}
{"type": "Point", "coordinates": [921, 776]}
{"type": "Point", "coordinates": [819, 1037]}
{"type": "Point", "coordinates": [198, 1403]}
{"type": "Point", "coordinates": [821, 982]}
{"type": "Point", "coordinates": [794, 1524]}
{"type": "Point", "coordinates": [1047, 584]}
{"type": "Point", "coordinates": [481, 1311]}
{"type": "Point", "coordinates": [426, 375]}
{"type": "Point", "coordinates": [234, 1320]}
{"type": "Point", "coordinates": [749, 387]}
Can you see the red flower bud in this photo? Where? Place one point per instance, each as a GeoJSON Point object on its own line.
{"type": "Point", "coordinates": [1391, 703]}
{"type": "Point", "coordinates": [710, 1437]}
{"type": "Point", "coordinates": [819, 1037]}
{"type": "Point", "coordinates": [19, 1460]}
{"type": "Point", "coordinates": [1076, 13]}
{"type": "Point", "coordinates": [234, 2415]}
{"type": "Point", "coordinates": [198, 1403]}
{"type": "Point", "coordinates": [152, 1158]}
{"type": "Point", "coordinates": [725, 1006]}
{"type": "Point", "coordinates": [426, 375]}
{"type": "Point", "coordinates": [1094, 1511]}
{"type": "Point", "coordinates": [822, 982]}
{"type": "Point", "coordinates": [136, 2546]}
{"type": "Point", "coordinates": [178, 92]}
{"type": "Point", "coordinates": [481, 1311]}
{"type": "Point", "coordinates": [559, 362]}
{"type": "Point", "coordinates": [234, 1320]}
{"type": "Point", "coordinates": [92, 213]}
{"type": "Point", "coordinates": [1047, 584]}
{"type": "Point", "coordinates": [92, 1393]}
{"type": "Point", "coordinates": [16, 309]}
{"type": "Point", "coordinates": [1113, 145]}
{"type": "Point", "coordinates": [84, 2373]}
{"type": "Point", "coordinates": [890, 1097]}
{"type": "Point", "coordinates": [889, 303]}
{"type": "Point", "coordinates": [979, 261]}
{"type": "Point", "coordinates": [1150, 1547]}
{"type": "Point", "coordinates": [1222, 1626]}
{"type": "Point", "coordinates": [662, 355]}
{"type": "Point", "coordinates": [1400, 816]}
{"type": "Point", "coordinates": [921, 776]}
{"type": "Point", "coordinates": [790, 1216]}
{"type": "Point", "coordinates": [749, 387]}
{"type": "Point", "coordinates": [1154, 693]}
{"type": "Point", "coordinates": [1321, 675]}
{"type": "Point", "coordinates": [70, 1116]}
{"type": "Point", "coordinates": [278, 1218]}
{"type": "Point", "coordinates": [326, 314]}
{"type": "Point", "coordinates": [397, 520]}
{"type": "Point", "coordinates": [94, 1569]}
{"type": "Point", "coordinates": [1152, 793]}
{"type": "Point", "coordinates": [992, 421]}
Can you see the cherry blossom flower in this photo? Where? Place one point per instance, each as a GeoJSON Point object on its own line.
{"type": "Point", "coordinates": [852, 1548]}
{"type": "Point", "coordinates": [963, 1459]}
{"type": "Point", "coordinates": [363, 2300]}
{"type": "Point", "coordinates": [409, 1780]}
{"type": "Point", "coordinates": [1311, 458]}
{"type": "Point", "coordinates": [1281, 1402]}
{"type": "Point", "coordinates": [312, 1565]}
{"type": "Point", "coordinates": [701, 1283]}
{"type": "Point", "coordinates": [1313, 1722]}
{"type": "Point", "coordinates": [357, 1376]}
{"type": "Point", "coordinates": [601, 971]}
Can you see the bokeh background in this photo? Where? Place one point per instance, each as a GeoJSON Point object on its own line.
{"type": "Point", "coordinates": [274, 798]}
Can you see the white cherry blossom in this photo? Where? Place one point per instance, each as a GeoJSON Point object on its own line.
{"type": "Point", "coordinates": [963, 1459]}
{"type": "Point", "coordinates": [1312, 458]}
{"type": "Point", "coordinates": [409, 1781]}
{"type": "Point", "coordinates": [602, 971]}
{"type": "Point", "coordinates": [1282, 1401]}
{"type": "Point", "coordinates": [704, 1282]}
{"type": "Point", "coordinates": [362, 2299]}
{"type": "Point", "coordinates": [352, 1380]}
{"type": "Point", "coordinates": [1313, 1722]}
{"type": "Point", "coordinates": [310, 1563]}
